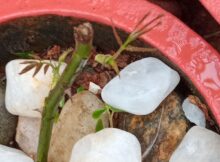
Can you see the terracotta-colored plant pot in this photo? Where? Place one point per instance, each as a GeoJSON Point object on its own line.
{"type": "Point", "coordinates": [213, 6]}
{"type": "Point", "coordinates": [187, 50]}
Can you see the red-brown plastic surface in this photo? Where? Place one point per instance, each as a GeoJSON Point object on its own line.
{"type": "Point", "coordinates": [193, 55]}
{"type": "Point", "coordinates": [213, 6]}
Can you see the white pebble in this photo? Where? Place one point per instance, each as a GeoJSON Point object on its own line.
{"type": "Point", "coordinates": [107, 145]}
{"type": "Point", "coordinates": [8, 154]}
{"type": "Point", "coordinates": [198, 145]}
{"type": "Point", "coordinates": [94, 88]}
{"type": "Point", "coordinates": [25, 94]}
{"type": "Point", "coordinates": [141, 87]}
{"type": "Point", "coordinates": [27, 135]}
{"type": "Point", "coordinates": [193, 113]}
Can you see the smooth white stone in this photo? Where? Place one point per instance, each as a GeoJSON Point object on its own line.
{"type": "Point", "coordinates": [193, 113]}
{"type": "Point", "coordinates": [25, 94]}
{"type": "Point", "coordinates": [141, 87]}
{"type": "Point", "coordinates": [8, 154]}
{"type": "Point", "coordinates": [27, 135]}
{"type": "Point", "coordinates": [107, 145]}
{"type": "Point", "coordinates": [198, 145]}
{"type": "Point", "coordinates": [94, 88]}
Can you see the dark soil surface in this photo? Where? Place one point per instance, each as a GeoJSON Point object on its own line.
{"type": "Point", "coordinates": [2, 72]}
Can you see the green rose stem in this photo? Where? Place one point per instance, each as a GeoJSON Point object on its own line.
{"type": "Point", "coordinates": [83, 38]}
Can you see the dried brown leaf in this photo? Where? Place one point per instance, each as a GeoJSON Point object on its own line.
{"type": "Point", "coordinates": [37, 69]}
{"type": "Point", "coordinates": [141, 20]}
{"type": "Point", "coordinates": [27, 68]}
{"type": "Point", "coordinates": [144, 29]}
{"type": "Point", "coordinates": [149, 29]}
{"type": "Point", "coordinates": [28, 62]}
{"type": "Point", "coordinates": [46, 67]}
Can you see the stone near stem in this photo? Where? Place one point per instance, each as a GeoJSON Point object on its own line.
{"type": "Point", "coordinates": [25, 94]}
{"type": "Point", "coordinates": [8, 121]}
{"type": "Point", "coordinates": [141, 87]}
{"type": "Point", "coordinates": [107, 145]}
{"type": "Point", "coordinates": [27, 135]}
{"type": "Point", "coordinates": [75, 122]}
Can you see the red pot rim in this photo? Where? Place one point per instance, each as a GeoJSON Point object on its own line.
{"type": "Point", "coordinates": [213, 6]}
{"type": "Point", "coordinates": [193, 55]}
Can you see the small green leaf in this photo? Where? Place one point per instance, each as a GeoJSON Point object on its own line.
{"type": "Point", "coordinates": [56, 76]}
{"type": "Point", "coordinates": [25, 55]}
{"type": "Point", "coordinates": [80, 89]}
{"type": "Point", "coordinates": [113, 64]}
{"type": "Point", "coordinates": [64, 55]}
{"type": "Point", "coordinates": [99, 125]}
{"type": "Point", "coordinates": [102, 59]}
{"type": "Point", "coordinates": [97, 113]}
{"type": "Point", "coordinates": [108, 61]}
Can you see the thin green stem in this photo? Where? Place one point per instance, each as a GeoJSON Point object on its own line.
{"type": "Point", "coordinates": [110, 117]}
{"type": "Point", "coordinates": [111, 120]}
{"type": "Point", "coordinates": [80, 56]}
{"type": "Point", "coordinates": [123, 47]}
